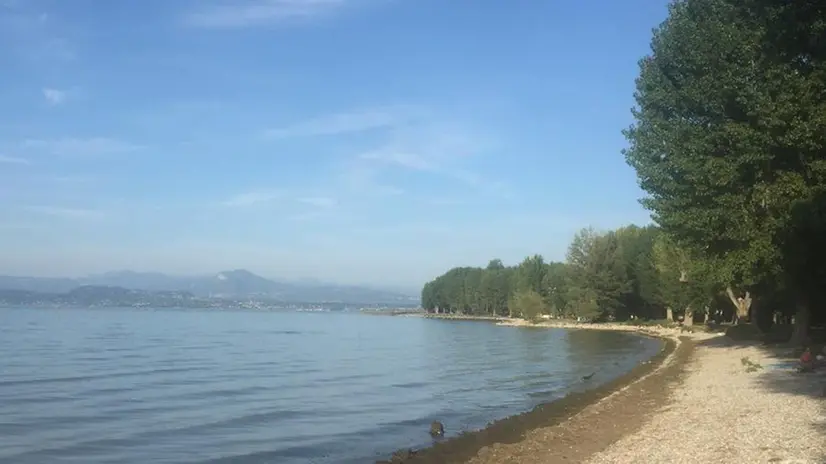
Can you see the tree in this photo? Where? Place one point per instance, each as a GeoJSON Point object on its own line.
{"type": "Point", "coordinates": [729, 133]}
{"type": "Point", "coordinates": [635, 248]}
{"type": "Point", "coordinates": [495, 265]}
{"type": "Point", "coordinates": [684, 278]}
{"type": "Point", "coordinates": [528, 304]}
{"type": "Point", "coordinates": [530, 275]}
{"type": "Point", "coordinates": [555, 284]}
{"type": "Point", "coordinates": [495, 290]}
{"type": "Point", "coordinates": [598, 279]}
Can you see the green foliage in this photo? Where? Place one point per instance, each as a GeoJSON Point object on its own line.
{"type": "Point", "coordinates": [729, 138]}
{"type": "Point", "coordinates": [607, 276]}
{"type": "Point", "coordinates": [527, 304]}
{"type": "Point", "coordinates": [600, 275]}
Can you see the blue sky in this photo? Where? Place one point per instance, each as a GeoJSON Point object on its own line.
{"type": "Point", "coordinates": [354, 141]}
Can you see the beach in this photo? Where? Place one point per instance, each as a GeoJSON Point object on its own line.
{"type": "Point", "coordinates": [705, 398]}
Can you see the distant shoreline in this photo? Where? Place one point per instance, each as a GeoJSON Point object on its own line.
{"type": "Point", "coordinates": [655, 330]}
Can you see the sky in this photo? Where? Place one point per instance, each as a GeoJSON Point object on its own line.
{"type": "Point", "coordinates": [353, 141]}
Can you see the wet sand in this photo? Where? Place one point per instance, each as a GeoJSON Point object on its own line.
{"type": "Point", "coordinates": [574, 427]}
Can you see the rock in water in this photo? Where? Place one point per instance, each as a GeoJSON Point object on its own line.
{"type": "Point", "coordinates": [437, 429]}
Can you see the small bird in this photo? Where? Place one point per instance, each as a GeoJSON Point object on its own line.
{"type": "Point", "coordinates": [588, 377]}
{"type": "Point", "coordinates": [437, 429]}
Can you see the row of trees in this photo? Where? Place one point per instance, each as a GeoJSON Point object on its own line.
{"type": "Point", "coordinates": [729, 144]}
{"type": "Point", "coordinates": [632, 272]}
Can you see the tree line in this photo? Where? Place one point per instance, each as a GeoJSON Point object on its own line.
{"type": "Point", "coordinates": [631, 272]}
{"type": "Point", "coordinates": [729, 145]}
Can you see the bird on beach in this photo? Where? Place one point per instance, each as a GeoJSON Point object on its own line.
{"type": "Point", "coordinates": [588, 377]}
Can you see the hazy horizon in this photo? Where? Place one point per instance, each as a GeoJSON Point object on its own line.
{"type": "Point", "coordinates": [412, 289]}
{"type": "Point", "coordinates": [350, 141]}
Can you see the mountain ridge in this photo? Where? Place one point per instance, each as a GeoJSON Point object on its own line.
{"type": "Point", "coordinates": [236, 283]}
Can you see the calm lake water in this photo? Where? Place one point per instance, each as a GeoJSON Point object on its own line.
{"type": "Point", "coordinates": [186, 386]}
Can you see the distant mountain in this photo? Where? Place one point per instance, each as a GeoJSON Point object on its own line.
{"type": "Point", "coordinates": [234, 284]}
{"type": "Point", "coordinates": [91, 295]}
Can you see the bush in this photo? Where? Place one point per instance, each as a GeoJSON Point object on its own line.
{"type": "Point", "coordinates": [528, 304]}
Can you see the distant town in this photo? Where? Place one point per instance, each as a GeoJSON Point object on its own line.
{"type": "Point", "coordinates": [227, 290]}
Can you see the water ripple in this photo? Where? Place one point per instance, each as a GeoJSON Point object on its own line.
{"type": "Point", "coordinates": [196, 387]}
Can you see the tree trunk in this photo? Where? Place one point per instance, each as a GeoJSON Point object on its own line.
{"type": "Point", "coordinates": [669, 314]}
{"type": "Point", "coordinates": [688, 317]}
{"type": "Point", "coordinates": [800, 334]}
{"type": "Point", "coordinates": [741, 305]}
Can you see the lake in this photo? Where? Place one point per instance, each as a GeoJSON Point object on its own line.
{"type": "Point", "coordinates": [204, 386]}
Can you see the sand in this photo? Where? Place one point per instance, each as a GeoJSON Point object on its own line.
{"type": "Point", "coordinates": [717, 410]}
{"type": "Point", "coordinates": [720, 413]}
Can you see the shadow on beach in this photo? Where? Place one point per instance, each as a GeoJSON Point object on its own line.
{"type": "Point", "coordinates": [779, 374]}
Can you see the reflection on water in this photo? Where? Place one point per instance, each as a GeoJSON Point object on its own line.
{"type": "Point", "coordinates": [165, 386]}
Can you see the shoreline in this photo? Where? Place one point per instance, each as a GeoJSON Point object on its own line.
{"type": "Point", "coordinates": [663, 368]}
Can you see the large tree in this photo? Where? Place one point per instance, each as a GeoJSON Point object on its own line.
{"type": "Point", "coordinates": [598, 275]}
{"type": "Point", "coordinates": [729, 134]}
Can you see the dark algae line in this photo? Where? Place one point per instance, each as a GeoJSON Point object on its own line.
{"type": "Point", "coordinates": [464, 447]}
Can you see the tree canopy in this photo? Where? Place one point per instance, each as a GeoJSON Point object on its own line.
{"type": "Point", "coordinates": [728, 138]}
{"type": "Point", "coordinates": [615, 275]}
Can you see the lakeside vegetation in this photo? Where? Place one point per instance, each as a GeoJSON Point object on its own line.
{"type": "Point", "coordinates": [729, 145]}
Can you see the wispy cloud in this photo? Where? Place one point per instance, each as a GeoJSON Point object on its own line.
{"type": "Point", "coordinates": [32, 34]}
{"type": "Point", "coordinates": [440, 150]}
{"type": "Point", "coordinates": [343, 123]}
{"type": "Point", "coordinates": [402, 159]}
{"type": "Point", "coordinates": [78, 213]}
{"type": "Point", "coordinates": [361, 179]}
{"type": "Point", "coordinates": [252, 198]}
{"type": "Point", "coordinates": [93, 146]}
{"type": "Point", "coordinates": [70, 179]}
{"type": "Point", "coordinates": [238, 14]}
{"type": "Point", "coordinates": [319, 202]}
{"type": "Point", "coordinates": [13, 160]}
{"type": "Point", "coordinates": [422, 157]}
{"type": "Point", "coordinates": [54, 96]}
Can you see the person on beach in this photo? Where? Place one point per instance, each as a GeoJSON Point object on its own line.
{"type": "Point", "coordinates": [807, 361]}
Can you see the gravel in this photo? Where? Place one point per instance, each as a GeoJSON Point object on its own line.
{"type": "Point", "coordinates": [720, 413]}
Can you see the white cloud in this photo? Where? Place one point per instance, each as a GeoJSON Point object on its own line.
{"type": "Point", "coordinates": [403, 159]}
{"type": "Point", "coordinates": [252, 198]}
{"type": "Point", "coordinates": [13, 160]}
{"type": "Point", "coordinates": [93, 146]}
{"type": "Point", "coordinates": [237, 14]}
{"type": "Point", "coordinates": [343, 123]}
{"type": "Point", "coordinates": [438, 149]}
{"type": "Point", "coordinates": [54, 96]}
